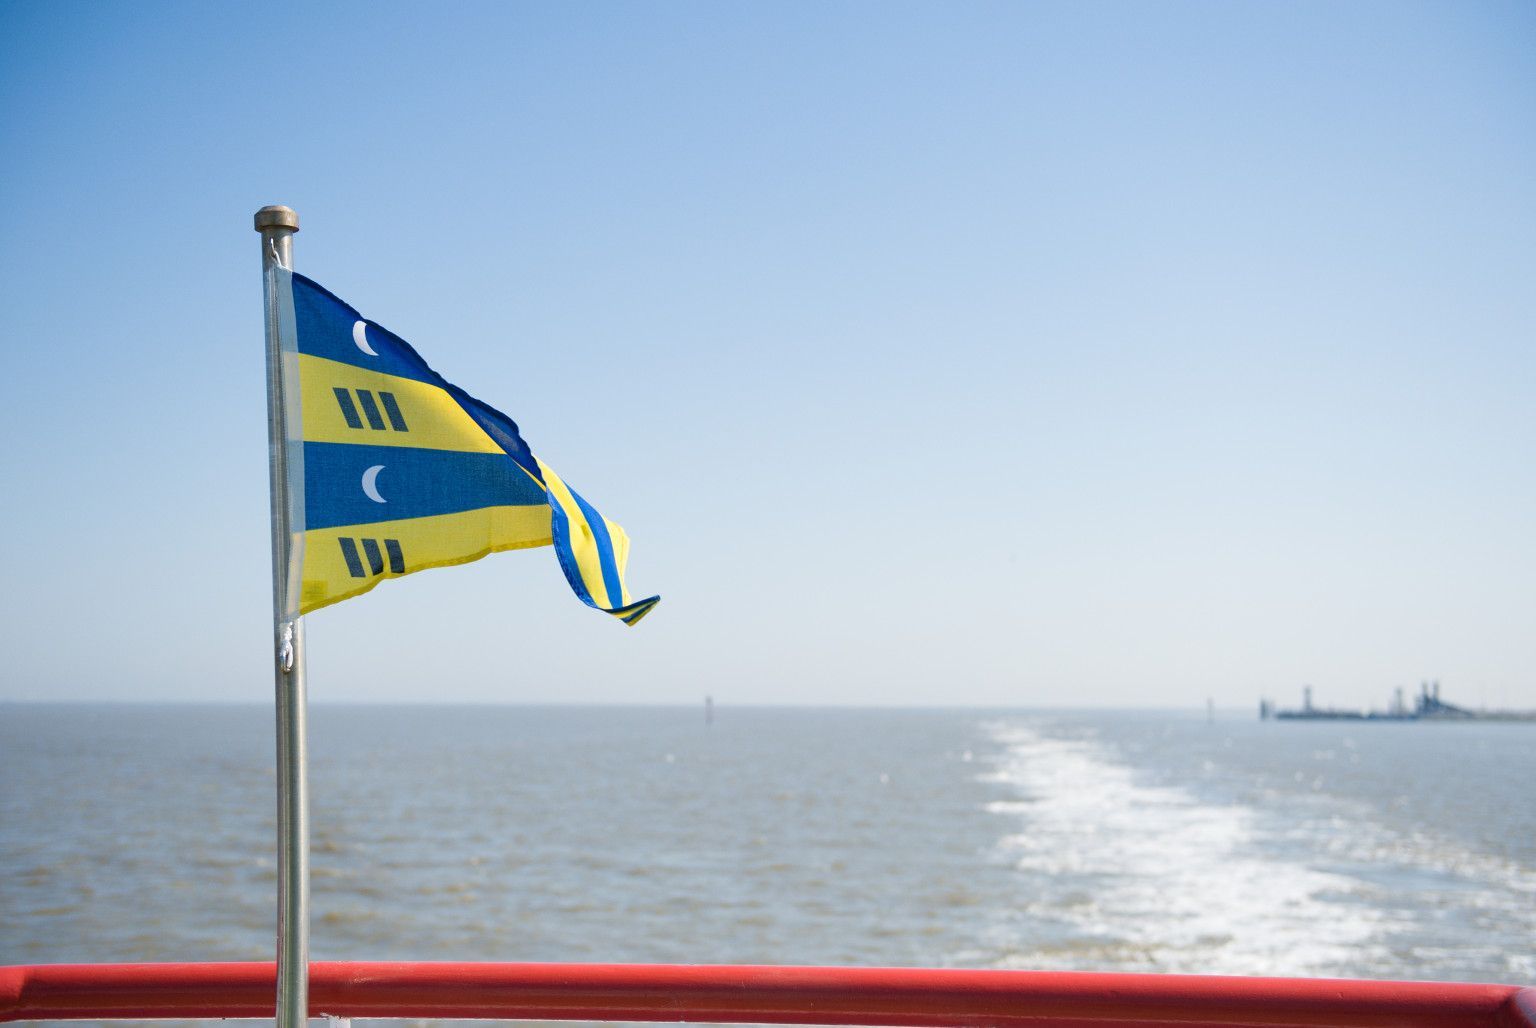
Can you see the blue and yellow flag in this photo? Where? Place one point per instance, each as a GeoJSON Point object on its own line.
{"type": "Point", "coordinates": [392, 470]}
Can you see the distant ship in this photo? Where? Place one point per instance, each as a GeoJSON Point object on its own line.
{"type": "Point", "coordinates": [1428, 707]}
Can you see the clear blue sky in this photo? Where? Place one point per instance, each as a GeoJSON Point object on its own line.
{"type": "Point", "coordinates": [1030, 354]}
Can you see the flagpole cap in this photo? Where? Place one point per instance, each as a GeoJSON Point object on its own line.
{"type": "Point", "coordinates": [277, 216]}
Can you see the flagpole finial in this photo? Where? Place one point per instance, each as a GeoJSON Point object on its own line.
{"type": "Point", "coordinates": [277, 224]}
{"type": "Point", "coordinates": [277, 216]}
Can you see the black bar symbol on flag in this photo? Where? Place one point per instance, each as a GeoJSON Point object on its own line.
{"type": "Point", "coordinates": [370, 409]}
{"type": "Point", "coordinates": [396, 419]}
{"type": "Point", "coordinates": [348, 411]}
{"type": "Point", "coordinates": [373, 555]}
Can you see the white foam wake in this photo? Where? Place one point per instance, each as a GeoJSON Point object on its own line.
{"type": "Point", "coordinates": [1119, 874]}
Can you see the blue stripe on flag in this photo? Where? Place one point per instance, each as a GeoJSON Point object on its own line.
{"type": "Point", "coordinates": [604, 550]}
{"type": "Point", "coordinates": [324, 327]}
{"type": "Point", "coordinates": [414, 483]}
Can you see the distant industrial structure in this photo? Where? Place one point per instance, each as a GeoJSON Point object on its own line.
{"type": "Point", "coordinates": [1428, 706]}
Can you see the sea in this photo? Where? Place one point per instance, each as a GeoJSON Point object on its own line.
{"type": "Point", "coordinates": [1082, 840]}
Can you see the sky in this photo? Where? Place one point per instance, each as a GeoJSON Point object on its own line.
{"type": "Point", "coordinates": [1025, 354]}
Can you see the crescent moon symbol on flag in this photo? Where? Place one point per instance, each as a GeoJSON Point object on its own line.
{"type": "Point", "coordinates": [371, 480]}
{"type": "Point", "coordinates": [360, 337]}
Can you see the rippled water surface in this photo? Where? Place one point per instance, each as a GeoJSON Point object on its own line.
{"type": "Point", "coordinates": [1092, 841]}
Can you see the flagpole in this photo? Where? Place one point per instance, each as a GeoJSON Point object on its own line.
{"type": "Point", "coordinates": [277, 226]}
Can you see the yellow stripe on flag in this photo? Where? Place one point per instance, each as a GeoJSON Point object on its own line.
{"type": "Point", "coordinates": [583, 544]}
{"type": "Point", "coordinates": [383, 410]}
{"type": "Point", "coordinates": [418, 543]}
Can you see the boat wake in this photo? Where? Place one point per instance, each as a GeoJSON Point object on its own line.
{"type": "Point", "coordinates": [1118, 874]}
{"type": "Point", "coordinates": [1115, 871]}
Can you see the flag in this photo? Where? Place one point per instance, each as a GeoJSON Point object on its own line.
{"type": "Point", "coordinates": [391, 469]}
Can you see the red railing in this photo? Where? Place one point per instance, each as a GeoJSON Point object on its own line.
{"type": "Point", "coordinates": [754, 995]}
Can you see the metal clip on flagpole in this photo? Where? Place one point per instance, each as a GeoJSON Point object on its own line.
{"type": "Point", "coordinates": [277, 226]}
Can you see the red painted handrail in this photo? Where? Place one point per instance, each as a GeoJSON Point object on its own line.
{"type": "Point", "coordinates": [760, 995]}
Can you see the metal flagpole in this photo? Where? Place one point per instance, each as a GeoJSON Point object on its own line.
{"type": "Point", "coordinates": [277, 226]}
